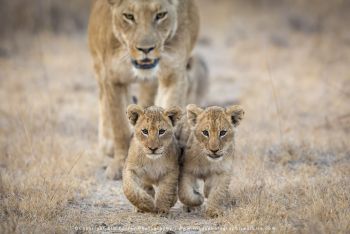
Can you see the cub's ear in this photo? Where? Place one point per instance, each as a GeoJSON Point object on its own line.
{"type": "Point", "coordinates": [192, 113]}
{"type": "Point", "coordinates": [114, 2]}
{"type": "Point", "coordinates": [235, 114]}
{"type": "Point", "coordinates": [174, 114]}
{"type": "Point", "coordinates": [134, 112]}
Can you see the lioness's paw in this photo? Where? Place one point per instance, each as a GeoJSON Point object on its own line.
{"type": "Point", "coordinates": [106, 147]}
{"type": "Point", "coordinates": [114, 172]}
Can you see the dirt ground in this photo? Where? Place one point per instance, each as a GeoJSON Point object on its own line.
{"type": "Point", "coordinates": [286, 65]}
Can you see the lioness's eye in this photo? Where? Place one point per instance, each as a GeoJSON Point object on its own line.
{"type": "Point", "coordinates": [161, 131]}
{"type": "Point", "coordinates": [129, 16]}
{"type": "Point", "coordinates": [223, 133]}
{"type": "Point", "coordinates": [144, 131]}
{"type": "Point", "coordinates": [205, 133]}
{"type": "Point", "coordinates": [161, 15]}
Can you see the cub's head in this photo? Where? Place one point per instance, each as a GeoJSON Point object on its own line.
{"type": "Point", "coordinates": [154, 127]}
{"type": "Point", "coordinates": [214, 128]}
{"type": "Point", "coordinates": [143, 26]}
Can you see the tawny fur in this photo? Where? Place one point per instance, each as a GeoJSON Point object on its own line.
{"type": "Point", "coordinates": [198, 79]}
{"type": "Point", "coordinates": [209, 157]}
{"type": "Point", "coordinates": [114, 41]}
{"type": "Point", "coordinates": [152, 160]}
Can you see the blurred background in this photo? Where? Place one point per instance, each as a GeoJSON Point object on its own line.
{"type": "Point", "coordinates": [286, 62]}
{"type": "Point", "coordinates": [38, 15]}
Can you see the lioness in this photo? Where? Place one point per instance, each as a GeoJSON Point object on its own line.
{"type": "Point", "coordinates": [209, 156]}
{"type": "Point", "coordinates": [152, 159]}
{"type": "Point", "coordinates": [132, 41]}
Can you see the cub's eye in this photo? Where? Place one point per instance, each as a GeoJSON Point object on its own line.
{"type": "Point", "coordinates": [161, 15]}
{"type": "Point", "coordinates": [205, 133]}
{"type": "Point", "coordinates": [161, 132]}
{"type": "Point", "coordinates": [144, 131]}
{"type": "Point", "coordinates": [129, 17]}
{"type": "Point", "coordinates": [223, 133]}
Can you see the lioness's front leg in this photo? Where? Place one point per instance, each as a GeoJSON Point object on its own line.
{"type": "Point", "coordinates": [115, 102]}
{"type": "Point", "coordinates": [167, 192]}
{"type": "Point", "coordinates": [172, 90]}
{"type": "Point", "coordinates": [188, 190]}
{"type": "Point", "coordinates": [147, 93]}
{"type": "Point", "coordinates": [105, 131]}
{"type": "Point", "coordinates": [218, 194]}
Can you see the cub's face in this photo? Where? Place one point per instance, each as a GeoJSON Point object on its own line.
{"type": "Point", "coordinates": [154, 128]}
{"type": "Point", "coordinates": [143, 26]}
{"type": "Point", "coordinates": [214, 128]}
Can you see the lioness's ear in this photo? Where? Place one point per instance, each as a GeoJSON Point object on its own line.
{"type": "Point", "coordinates": [192, 113]}
{"type": "Point", "coordinates": [114, 2]}
{"type": "Point", "coordinates": [235, 113]}
{"type": "Point", "coordinates": [134, 112]}
{"type": "Point", "coordinates": [174, 114]}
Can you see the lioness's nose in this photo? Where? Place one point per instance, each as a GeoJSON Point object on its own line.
{"type": "Point", "coordinates": [214, 151]}
{"type": "Point", "coordinates": [146, 50]}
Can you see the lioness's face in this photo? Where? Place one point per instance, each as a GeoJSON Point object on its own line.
{"type": "Point", "coordinates": [214, 129]}
{"type": "Point", "coordinates": [143, 26]}
{"type": "Point", "coordinates": [154, 128]}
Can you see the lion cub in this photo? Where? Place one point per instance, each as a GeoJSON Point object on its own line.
{"type": "Point", "coordinates": [209, 156]}
{"type": "Point", "coordinates": [152, 159]}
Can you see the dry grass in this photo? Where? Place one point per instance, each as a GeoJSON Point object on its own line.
{"type": "Point", "coordinates": [289, 70]}
{"type": "Point", "coordinates": [43, 166]}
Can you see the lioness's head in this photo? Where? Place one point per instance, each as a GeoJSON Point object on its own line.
{"type": "Point", "coordinates": [143, 27]}
{"type": "Point", "coordinates": [154, 127]}
{"type": "Point", "coordinates": [214, 128]}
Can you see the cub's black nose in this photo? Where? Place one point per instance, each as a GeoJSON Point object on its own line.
{"type": "Point", "coordinates": [152, 149]}
{"type": "Point", "coordinates": [214, 151]}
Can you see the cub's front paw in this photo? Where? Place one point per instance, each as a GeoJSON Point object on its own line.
{"type": "Point", "coordinates": [197, 199]}
{"type": "Point", "coordinates": [192, 199]}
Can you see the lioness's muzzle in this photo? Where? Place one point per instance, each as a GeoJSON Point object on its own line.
{"type": "Point", "coordinates": [145, 63]}
{"type": "Point", "coordinates": [215, 156]}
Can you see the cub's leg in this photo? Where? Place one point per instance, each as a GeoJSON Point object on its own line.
{"type": "Point", "coordinates": [208, 184]}
{"type": "Point", "coordinates": [188, 190]}
{"type": "Point", "coordinates": [149, 189]}
{"type": "Point", "coordinates": [134, 191]}
{"type": "Point", "coordinates": [147, 93]}
{"type": "Point", "coordinates": [218, 195]}
{"type": "Point", "coordinates": [166, 196]}
{"type": "Point", "coordinates": [115, 101]}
